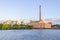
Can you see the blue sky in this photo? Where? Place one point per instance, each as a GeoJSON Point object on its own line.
{"type": "Point", "coordinates": [29, 9]}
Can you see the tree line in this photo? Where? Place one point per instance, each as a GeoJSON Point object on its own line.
{"type": "Point", "coordinates": [56, 26]}
{"type": "Point", "coordinates": [15, 26]}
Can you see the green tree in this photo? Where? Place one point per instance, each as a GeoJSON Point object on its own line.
{"type": "Point", "coordinates": [1, 26]}
{"type": "Point", "coordinates": [15, 26]}
{"type": "Point", "coordinates": [6, 26]}
{"type": "Point", "coordinates": [56, 26]}
{"type": "Point", "coordinates": [22, 26]}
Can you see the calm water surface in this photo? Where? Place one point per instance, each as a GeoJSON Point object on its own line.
{"type": "Point", "coordinates": [30, 34]}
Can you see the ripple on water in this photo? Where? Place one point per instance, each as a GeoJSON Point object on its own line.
{"type": "Point", "coordinates": [29, 34]}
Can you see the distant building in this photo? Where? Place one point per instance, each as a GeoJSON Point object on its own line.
{"type": "Point", "coordinates": [8, 22]}
{"type": "Point", "coordinates": [23, 22]}
{"type": "Point", "coordinates": [40, 23]}
{"type": "Point", "coordinates": [16, 22]}
{"type": "Point", "coordinates": [11, 22]}
{"type": "Point", "coordinates": [0, 22]}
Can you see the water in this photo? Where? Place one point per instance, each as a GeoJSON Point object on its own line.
{"type": "Point", "coordinates": [30, 34]}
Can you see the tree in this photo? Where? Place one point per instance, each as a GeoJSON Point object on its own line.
{"type": "Point", "coordinates": [15, 26]}
{"type": "Point", "coordinates": [6, 26]}
{"type": "Point", "coordinates": [56, 26]}
{"type": "Point", "coordinates": [22, 26]}
{"type": "Point", "coordinates": [1, 26]}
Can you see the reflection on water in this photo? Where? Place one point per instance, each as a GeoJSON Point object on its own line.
{"type": "Point", "coordinates": [29, 34]}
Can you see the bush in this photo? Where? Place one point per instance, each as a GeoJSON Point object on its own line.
{"type": "Point", "coordinates": [26, 27]}
{"type": "Point", "coordinates": [1, 26]}
{"type": "Point", "coordinates": [6, 26]}
{"type": "Point", "coordinates": [15, 26]}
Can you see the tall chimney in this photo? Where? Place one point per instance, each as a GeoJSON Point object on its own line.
{"type": "Point", "coordinates": [40, 16]}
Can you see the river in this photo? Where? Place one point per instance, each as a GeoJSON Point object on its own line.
{"type": "Point", "coordinates": [46, 34]}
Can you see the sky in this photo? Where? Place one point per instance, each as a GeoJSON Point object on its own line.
{"type": "Point", "coordinates": [29, 9]}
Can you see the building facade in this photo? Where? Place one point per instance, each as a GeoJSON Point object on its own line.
{"type": "Point", "coordinates": [40, 23]}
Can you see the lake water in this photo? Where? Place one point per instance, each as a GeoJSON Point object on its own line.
{"type": "Point", "coordinates": [30, 34]}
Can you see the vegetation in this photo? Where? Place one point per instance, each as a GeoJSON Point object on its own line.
{"type": "Point", "coordinates": [57, 26]}
{"type": "Point", "coordinates": [6, 26]}
{"type": "Point", "coordinates": [1, 26]}
{"type": "Point", "coordinates": [26, 26]}
{"type": "Point", "coordinates": [14, 26]}
{"type": "Point", "coordinates": [21, 26]}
